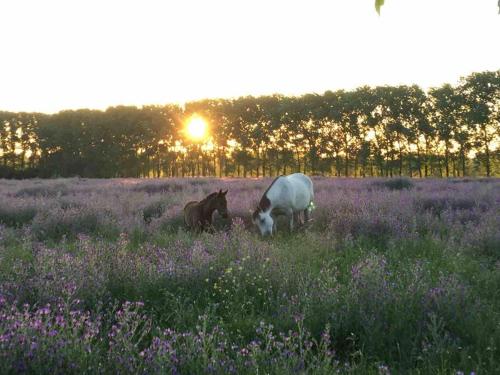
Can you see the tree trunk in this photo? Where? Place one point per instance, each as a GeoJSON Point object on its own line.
{"type": "Point", "coordinates": [220, 163]}
{"type": "Point", "coordinates": [410, 169]}
{"type": "Point", "coordinates": [419, 162]}
{"type": "Point", "coordinates": [400, 162]}
{"type": "Point", "coordinates": [488, 165]}
{"type": "Point", "coordinates": [463, 161]}
{"type": "Point", "coordinates": [446, 160]}
{"type": "Point", "coordinates": [426, 165]}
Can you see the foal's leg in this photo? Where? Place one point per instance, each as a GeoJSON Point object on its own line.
{"type": "Point", "coordinates": [199, 226]}
{"type": "Point", "coordinates": [210, 228]}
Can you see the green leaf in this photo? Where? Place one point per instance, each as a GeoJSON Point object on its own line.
{"type": "Point", "coordinates": [378, 5]}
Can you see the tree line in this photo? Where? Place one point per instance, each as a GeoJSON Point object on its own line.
{"type": "Point", "coordinates": [371, 131]}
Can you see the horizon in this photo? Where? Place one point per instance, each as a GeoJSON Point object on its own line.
{"type": "Point", "coordinates": [153, 53]}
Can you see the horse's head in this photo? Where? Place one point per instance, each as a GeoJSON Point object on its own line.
{"type": "Point", "coordinates": [264, 221]}
{"type": "Point", "coordinates": [220, 203]}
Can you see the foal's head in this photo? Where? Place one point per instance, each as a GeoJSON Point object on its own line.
{"type": "Point", "coordinates": [219, 203]}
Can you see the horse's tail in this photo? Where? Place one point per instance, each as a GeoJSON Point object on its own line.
{"type": "Point", "coordinates": [311, 201]}
{"type": "Point", "coordinates": [311, 206]}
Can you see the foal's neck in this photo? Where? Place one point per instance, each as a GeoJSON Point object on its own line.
{"type": "Point", "coordinates": [209, 208]}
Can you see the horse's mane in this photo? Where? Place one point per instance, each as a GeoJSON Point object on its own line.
{"type": "Point", "coordinates": [265, 203]}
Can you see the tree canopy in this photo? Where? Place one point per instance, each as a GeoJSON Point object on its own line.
{"type": "Point", "coordinates": [370, 131]}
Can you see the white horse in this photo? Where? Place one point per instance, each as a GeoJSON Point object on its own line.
{"type": "Point", "coordinates": [287, 195]}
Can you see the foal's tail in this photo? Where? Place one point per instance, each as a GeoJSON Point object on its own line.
{"type": "Point", "coordinates": [188, 213]}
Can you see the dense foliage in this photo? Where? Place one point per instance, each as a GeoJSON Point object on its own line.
{"type": "Point", "coordinates": [395, 276]}
{"type": "Point", "coordinates": [381, 131]}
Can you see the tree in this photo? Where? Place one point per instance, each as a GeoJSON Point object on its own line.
{"type": "Point", "coordinates": [482, 100]}
{"type": "Point", "coordinates": [447, 105]}
{"type": "Point", "coordinates": [397, 130]}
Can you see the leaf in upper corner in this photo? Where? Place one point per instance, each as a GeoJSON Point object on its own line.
{"type": "Point", "coordinates": [379, 3]}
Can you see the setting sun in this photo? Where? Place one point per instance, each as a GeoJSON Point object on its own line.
{"type": "Point", "coordinates": [196, 128]}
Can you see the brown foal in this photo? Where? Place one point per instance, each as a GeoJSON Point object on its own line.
{"type": "Point", "coordinates": [198, 215]}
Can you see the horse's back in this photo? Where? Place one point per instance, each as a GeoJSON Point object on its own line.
{"type": "Point", "coordinates": [303, 190]}
{"type": "Point", "coordinates": [294, 191]}
{"type": "Point", "coordinates": [301, 181]}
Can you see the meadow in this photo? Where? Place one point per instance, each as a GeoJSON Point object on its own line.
{"type": "Point", "coordinates": [394, 276]}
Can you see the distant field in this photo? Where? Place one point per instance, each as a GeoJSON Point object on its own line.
{"type": "Point", "coordinates": [393, 276]}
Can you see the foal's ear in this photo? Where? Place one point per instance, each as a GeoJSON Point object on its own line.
{"type": "Point", "coordinates": [224, 192]}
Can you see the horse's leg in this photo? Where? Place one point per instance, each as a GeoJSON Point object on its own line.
{"type": "Point", "coordinates": [306, 215]}
{"type": "Point", "coordinates": [290, 215]}
{"type": "Point", "coordinates": [274, 215]}
{"type": "Point", "coordinates": [296, 218]}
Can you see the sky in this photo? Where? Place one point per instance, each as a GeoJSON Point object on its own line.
{"type": "Point", "coordinates": [61, 54]}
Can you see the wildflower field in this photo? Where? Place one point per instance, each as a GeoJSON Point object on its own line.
{"type": "Point", "coordinates": [393, 276]}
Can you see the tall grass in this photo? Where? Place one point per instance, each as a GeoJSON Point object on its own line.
{"type": "Point", "coordinates": [104, 279]}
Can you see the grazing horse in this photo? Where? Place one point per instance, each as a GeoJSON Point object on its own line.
{"type": "Point", "coordinates": [287, 195]}
{"type": "Point", "coordinates": [198, 215]}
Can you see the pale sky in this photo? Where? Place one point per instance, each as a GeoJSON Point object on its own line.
{"type": "Point", "coordinates": [68, 54]}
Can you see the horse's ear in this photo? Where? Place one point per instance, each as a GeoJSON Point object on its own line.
{"type": "Point", "coordinates": [220, 192]}
{"type": "Point", "coordinates": [224, 192]}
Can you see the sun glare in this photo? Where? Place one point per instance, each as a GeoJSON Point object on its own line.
{"type": "Point", "coordinates": [196, 128]}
